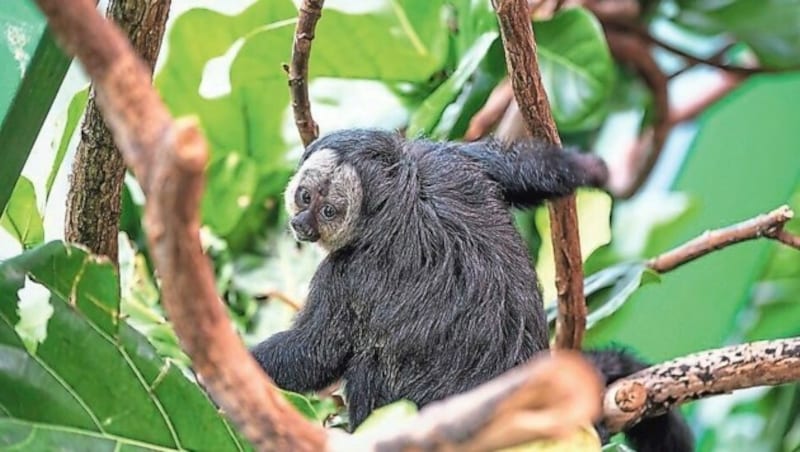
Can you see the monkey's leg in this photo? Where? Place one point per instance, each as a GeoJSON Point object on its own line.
{"type": "Point", "coordinates": [532, 171]}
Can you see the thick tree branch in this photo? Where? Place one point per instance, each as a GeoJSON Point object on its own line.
{"type": "Point", "coordinates": [549, 397]}
{"type": "Point", "coordinates": [658, 388]}
{"type": "Point", "coordinates": [523, 69]}
{"type": "Point", "coordinates": [309, 13]}
{"type": "Point", "coordinates": [768, 225]}
{"type": "Point", "coordinates": [93, 201]}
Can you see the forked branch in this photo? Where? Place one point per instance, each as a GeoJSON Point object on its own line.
{"type": "Point", "coordinates": [768, 225]}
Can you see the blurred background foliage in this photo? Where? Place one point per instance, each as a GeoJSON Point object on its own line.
{"type": "Point", "coordinates": [424, 67]}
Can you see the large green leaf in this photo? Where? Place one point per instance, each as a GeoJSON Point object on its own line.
{"type": "Point", "coordinates": [770, 27]}
{"type": "Point", "coordinates": [93, 378]}
{"type": "Point", "coordinates": [74, 114]}
{"type": "Point", "coordinates": [704, 298]}
{"type": "Point", "coordinates": [31, 72]}
{"type": "Point", "coordinates": [21, 217]}
{"type": "Point", "coordinates": [577, 70]}
{"type": "Point", "coordinates": [430, 112]}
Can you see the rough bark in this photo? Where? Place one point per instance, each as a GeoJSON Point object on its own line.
{"type": "Point", "coordinates": [658, 388]}
{"type": "Point", "coordinates": [94, 201]}
{"type": "Point", "coordinates": [309, 13]}
{"type": "Point", "coordinates": [523, 68]}
{"type": "Point", "coordinates": [768, 225]}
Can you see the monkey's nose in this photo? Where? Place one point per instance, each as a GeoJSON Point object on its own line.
{"type": "Point", "coordinates": [303, 230]}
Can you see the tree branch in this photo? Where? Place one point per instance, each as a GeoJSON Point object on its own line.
{"type": "Point", "coordinates": [768, 225]}
{"type": "Point", "coordinates": [523, 69]}
{"type": "Point", "coordinates": [309, 13]}
{"type": "Point", "coordinates": [656, 389]}
{"type": "Point", "coordinates": [98, 171]}
{"type": "Point", "coordinates": [549, 397]}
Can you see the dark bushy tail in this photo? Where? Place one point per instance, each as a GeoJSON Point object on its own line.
{"type": "Point", "coordinates": [666, 433]}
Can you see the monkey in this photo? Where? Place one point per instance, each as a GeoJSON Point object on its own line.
{"type": "Point", "coordinates": [427, 288]}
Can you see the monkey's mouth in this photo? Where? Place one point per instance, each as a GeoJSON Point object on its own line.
{"type": "Point", "coordinates": [303, 231]}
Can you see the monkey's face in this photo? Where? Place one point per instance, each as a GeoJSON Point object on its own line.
{"type": "Point", "coordinates": [324, 199]}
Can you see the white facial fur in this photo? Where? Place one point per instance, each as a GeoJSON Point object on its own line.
{"type": "Point", "coordinates": [344, 192]}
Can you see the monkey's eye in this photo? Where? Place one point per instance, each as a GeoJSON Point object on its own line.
{"type": "Point", "coordinates": [328, 212]}
{"type": "Point", "coordinates": [303, 197]}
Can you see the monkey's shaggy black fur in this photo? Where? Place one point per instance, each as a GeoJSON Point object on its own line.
{"type": "Point", "coordinates": [435, 293]}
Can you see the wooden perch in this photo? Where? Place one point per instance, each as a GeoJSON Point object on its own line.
{"type": "Point", "coordinates": [309, 13]}
{"type": "Point", "coordinates": [168, 158]}
{"type": "Point", "coordinates": [523, 69]}
{"type": "Point", "coordinates": [658, 388]}
{"type": "Point", "coordinates": [768, 225]}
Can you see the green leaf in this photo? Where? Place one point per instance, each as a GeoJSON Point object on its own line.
{"type": "Point", "coordinates": [604, 303]}
{"type": "Point", "coordinates": [388, 416]}
{"type": "Point", "coordinates": [29, 85]}
{"type": "Point", "coordinates": [231, 185]}
{"type": "Point", "coordinates": [769, 27]}
{"type": "Point", "coordinates": [22, 435]}
{"type": "Point", "coordinates": [301, 404]}
{"type": "Point", "coordinates": [577, 70]}
{"type": "Point", "coordinates": [74, 114]}
{"type": "Point", "coordinates": [429, 113]}
{"type": "Point", "coordinates": [94, 374]}
{"type": "Point", "coordinates": [22, 218]}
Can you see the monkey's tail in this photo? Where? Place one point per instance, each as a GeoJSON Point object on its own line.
{"type": "Point", "coordinates": [665, 433]}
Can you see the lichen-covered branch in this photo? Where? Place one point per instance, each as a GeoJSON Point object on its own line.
{"type": "Point", "coordinates": [658, 388]}
{"type": "Point", "coordinates": [309, 13]}
{"type": "Point", "coordinates": [523, 69]}
{"type": "Point", "coordinates": [768, 225]}
{"type": "Point", "coordinates": [98, 171]}
{"type": "Point", "coordinates": [168, 158]}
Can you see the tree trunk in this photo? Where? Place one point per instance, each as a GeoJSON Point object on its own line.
{"type": "Point", "coordinates": [94, 201]}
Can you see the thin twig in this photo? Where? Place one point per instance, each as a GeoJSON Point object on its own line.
{"type": "Point", "coordinates": [309, 13]}
{"type": "Point", "coordinates": [523, 69]}
{"type": "Point", "coordinates": [282, 297]}
{"type": "Point", "coordinates": [768, 225]}
{"type": "Point", "coordinates": [643, 155]}
{"type": "Point", "coordinates": [713, 62]}
{"type": "Point", "coordinates": [656, 389]}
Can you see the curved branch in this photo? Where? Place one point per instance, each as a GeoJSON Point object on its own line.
{"type": "Point", "coordinates": [768, 225]}
{"type": "Point", "coordinates": [523, 69]}
{"type": "Point", "coordinates": [309, 13]}
{"type": "Point", "coordinates": [656, 389]}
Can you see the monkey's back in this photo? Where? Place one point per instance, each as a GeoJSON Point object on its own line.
{"type": "Point", "coordinates": [442, 285]}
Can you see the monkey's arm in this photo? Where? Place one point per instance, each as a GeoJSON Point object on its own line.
{"type": "Point", "coordinates": [314, 352]}
{"type": "Point", "coordinates": [531, 171]}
